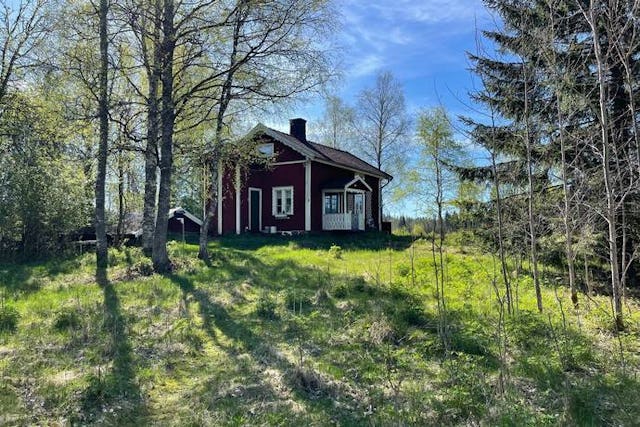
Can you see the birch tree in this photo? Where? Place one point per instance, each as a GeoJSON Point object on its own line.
{"type": "Point", "coordinates": [438, 151]}
{"type": "Point", "coordinates": [103, 116]}
{"type": "Point", "coordinates": [270, 56]}
{"type": "Point", "coordinates": [24, 26]}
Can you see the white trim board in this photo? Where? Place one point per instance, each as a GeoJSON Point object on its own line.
{"type": "Point", "coordinates": [356, 179]}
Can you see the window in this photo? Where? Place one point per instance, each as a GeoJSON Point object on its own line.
{"type": "Point", "coordinates": [282, 201]}
{"type": "Point", "coordinates": [332, 203]}
{"type": "Point", "coordinates": [266, 150]}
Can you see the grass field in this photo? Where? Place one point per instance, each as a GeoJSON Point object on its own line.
{"type": "Point", "coordinates": [324, 330]}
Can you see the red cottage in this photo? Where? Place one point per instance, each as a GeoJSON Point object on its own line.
{"type": "Point", "coordinates": [306, 187]}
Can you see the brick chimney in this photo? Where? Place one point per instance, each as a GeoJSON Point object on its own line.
{"type": "Point", "coordinates": [298, 129]}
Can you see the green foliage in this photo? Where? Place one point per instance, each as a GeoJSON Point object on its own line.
{"type": "Point", "coordinates": [412, 315]}
{"type": "Point", "coordinates": [9, 318]}
{"type": "Point", "coordinates": [143, 267]}
{"type": "Point", "coordinates": [266, 307]}
{"type": "Point", "coordinates": [67, 319]}
{"type": "Point", "coordinates": [225, 340]}
{"type": "Point", "coordinates": [43, 192]}
{"type": "Point", "coordinates": [296, 300]}
{"type": "Point", "coordinates": [335, 251]}
{"type": "Point", "coordinates": [340, 290]}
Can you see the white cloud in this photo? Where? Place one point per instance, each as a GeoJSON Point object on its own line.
{"type": "Point", "coordinates": [418, 11]}
{"type": "Point", "coordinates": [380, 32]}
{"type": "Point", "coordinates": [431, 11]}
{"type": "Point", "coordinates": [366, 65]}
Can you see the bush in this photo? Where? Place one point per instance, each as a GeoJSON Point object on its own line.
{"type": "Point", "coordinates": [360, 285]}
{"type": "Point", "coordinates": [412, 315]}
{"type": "Point", "coordinates": [335, 251]}
{"type": "Point", "coordinates": [9, 317]}
{"type": "Point", "coordinates": [403, 269]}
{"type": "Point", "coordinates": [66, 319]}
{"type": "Point", "coordinates": [321, 296]}
{"type": "Point", "coordinates": [116, 257]}
{"type": "Point", "coordinates": [143, 267]}
{"type": "Point", "coordinates": [340, 291]}
{"type": "Point", "coordinates": [266, 307]}
{"type": "Point", "coordinates": [295, 300]}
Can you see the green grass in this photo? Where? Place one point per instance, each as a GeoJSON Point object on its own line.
{"type": "Point", "coordinates": [317, 330]}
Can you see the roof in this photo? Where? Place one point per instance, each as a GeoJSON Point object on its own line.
{"type": "Point", "coordinates": [320, 152]}
{"type": "Point", "coordinates": [182, 211]}
{"type": "Point", "coordinates": [343, 158]}
{"type": "Point", "coordinates": [137, 232]}
{"type": "Point", "coordinates": [344, 183]}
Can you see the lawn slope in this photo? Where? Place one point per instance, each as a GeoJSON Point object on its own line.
{"type": "Point", "coordinates": [315, 330]}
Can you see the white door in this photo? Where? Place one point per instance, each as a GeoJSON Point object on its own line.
{"type": "Point", "coordinates": [358, 211]}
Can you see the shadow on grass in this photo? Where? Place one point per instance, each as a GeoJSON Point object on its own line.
{"type": "Point", "coordinates": [113, 397]}
{"type": "Point", "coordinates": [557, 362]}
{"type": "Point", "coordinates": [307, 386]}
{"type": "Point", "coordinates": [565, 362]}
{"type": "Point", "coordinates": [25, 277]}
{"type": "Point", "coordinates": [347, 240]}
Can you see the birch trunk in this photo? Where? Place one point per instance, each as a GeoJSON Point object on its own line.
{"type": "Point", "coordinates": [103, 115]}
{"type": "Point", "coordinates": [151, 149]}
{"type": "Point", "coordinates": [160, 257]}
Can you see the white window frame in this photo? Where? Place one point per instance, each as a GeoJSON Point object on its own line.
{"type": "Point", "coordinates": [324, 201]}
{"type": "Point", "coordinates": [274, 201]}
{"type": "Point", "coordinates": [271, 150]}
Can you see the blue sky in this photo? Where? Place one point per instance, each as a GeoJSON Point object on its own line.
{"type": "Point", "coordinates": [422, 42]}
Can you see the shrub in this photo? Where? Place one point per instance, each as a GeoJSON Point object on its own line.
{"type": "Point", "coordinates": [295, 300]}
{"type": "Point", "coordinates": [335, 251]}
{"type": "Point", "coordinates": [360, 285]}
{"type": "Point", "coordinates": [340, 291]}
{"type": "Point", "coordinates": [9, 317]}
{"type": "Point", "coordinates": [412, 315]}
{"type": "Point", "coordinates": [116, 257]}
{"type": "Point", "coordinates": [143, 267]}
{"type": "Point", "coordinates": [266, 307]}
{"type": "Point", "coordinates": [66, 319]}
{"type": "Point", "coordinates": [403, 269]}
{"type": "Point", "coordinates": [321, 296]}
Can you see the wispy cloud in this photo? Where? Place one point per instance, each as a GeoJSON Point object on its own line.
{"type": "Point", "coordinates": [378, 33]}
{"type": "Point", "coordinates": [366, 65]}
{"type": "Point", "coordinates": [429, 11]}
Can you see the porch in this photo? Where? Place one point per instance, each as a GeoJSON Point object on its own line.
{"type": "Point", "coordinates": [345, 205]}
